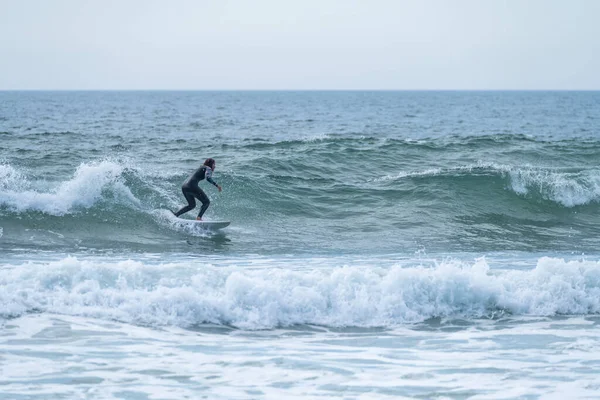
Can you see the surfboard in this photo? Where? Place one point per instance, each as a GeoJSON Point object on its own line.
{"type": "Point", "coordinates": [210, 225]}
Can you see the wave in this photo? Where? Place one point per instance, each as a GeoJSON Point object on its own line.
{"type": "Point", "coordinates": [566, 187]}
{"type": "Point", "coordinates": [449, 142]}
{"type": "Point", "coordinates": [331, 156]}
{"type": "Point", "coordinates": [569, 189]}
{"type": "Point", "coordinates": [105, 204]}
{"type": "Point", "coordinates": [83, 190]}
{"type": "Point", "coordinates": [481, 206]}
{"type": "Point", "coordinates": [117, 188]}
{"type": "Point", "coordinates": [191, 293]}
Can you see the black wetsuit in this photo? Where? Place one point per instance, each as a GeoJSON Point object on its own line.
{"type": "Point", "coordinates": [192, 191]}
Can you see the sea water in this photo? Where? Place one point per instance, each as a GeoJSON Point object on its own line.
{"type": "Point", "coordinates": [436, 245]}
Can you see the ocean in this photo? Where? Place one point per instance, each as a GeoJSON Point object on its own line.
{"type": "Point", "coordinates": [429, 245]}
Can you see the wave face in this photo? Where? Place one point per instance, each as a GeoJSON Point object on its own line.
{"type": "Point", "coordinates": [354, 172]}
{"type": "Point", "coordinates": [188, 293]}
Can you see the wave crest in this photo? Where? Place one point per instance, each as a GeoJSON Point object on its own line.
{"type": "Point", "coordinates": [565, 187]}
{"type": "Point", "coordinates": [83, 190]}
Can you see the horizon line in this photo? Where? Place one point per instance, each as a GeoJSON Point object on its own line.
{"type": "Point", "coordinates": [299, 90]}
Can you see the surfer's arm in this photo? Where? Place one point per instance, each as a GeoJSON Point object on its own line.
{"type": "Point", "coordinates": [210, 179]}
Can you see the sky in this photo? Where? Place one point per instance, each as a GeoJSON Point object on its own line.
{"type": "Point", "coordinates": [300, 45]}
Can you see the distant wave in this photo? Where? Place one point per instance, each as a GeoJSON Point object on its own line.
{"type": "Point", "coordinates": [565, 187]}
{"type": "Point", "coordinates": [446, 142]}
{"type": "Point", "coordinates": [190, 293]}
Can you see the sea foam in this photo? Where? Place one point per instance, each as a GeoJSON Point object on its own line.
{"type": "Point", "coordinates": [188, 293]}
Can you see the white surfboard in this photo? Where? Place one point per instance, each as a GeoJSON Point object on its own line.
{"type": "Point", "coordinates": [210, 225]}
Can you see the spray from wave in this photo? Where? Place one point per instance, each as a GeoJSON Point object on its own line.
{"type": "Point", "coordinates": [569, 189]}
{"type": "Point", "coordinates": [83, 190]}
{"type": "Point", "coordinates": [9, 177]}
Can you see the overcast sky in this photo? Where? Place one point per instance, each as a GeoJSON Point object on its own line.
{"type": "Point", "coordinates": [300, 44]}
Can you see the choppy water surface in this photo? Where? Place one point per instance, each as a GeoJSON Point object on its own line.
{"type": "Point", "coordinates": [383, 244]}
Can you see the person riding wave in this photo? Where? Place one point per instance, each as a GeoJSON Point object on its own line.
{"type": "Point", "coordinates": [191, 190]}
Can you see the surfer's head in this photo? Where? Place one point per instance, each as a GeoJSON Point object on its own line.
{"type": "Point", "coordinates": [210, 162]}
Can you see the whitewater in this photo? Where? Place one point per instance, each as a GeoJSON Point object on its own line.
{"type": "Point", "coordinates": [268, 294]}
{"type": "Point", "coordinates": [435, 245]}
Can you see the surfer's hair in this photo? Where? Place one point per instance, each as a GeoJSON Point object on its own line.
{"type": "Point", "coordinates": [209, 162]}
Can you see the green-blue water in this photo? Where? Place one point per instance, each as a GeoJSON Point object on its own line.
{"type": "Point", "coordinates": [303, 172]}
{"type": "Point", "coordinates": [399, 244]}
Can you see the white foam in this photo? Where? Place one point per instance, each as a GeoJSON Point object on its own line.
{"type": "Point", "coordinates": [410, 174]}
{"type": "Point", "coordinates": [479, 167]}
{"type": "Point", "coordinates": [192, 292]}
{"type": "Point", "coordinates": [84, 189]}
{"type": "Point", "coordinates": [567, 188]}
{"type": "Point", "coordinates": [9, 177]}
{"type": "Point", "coordinates": [318, 137]}
{"type": "Point", "coordinates": [187, 226]}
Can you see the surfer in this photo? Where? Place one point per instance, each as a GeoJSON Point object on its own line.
{"type": "Point", "coordinates": [191, 190]}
